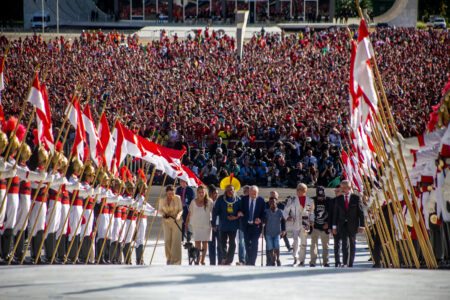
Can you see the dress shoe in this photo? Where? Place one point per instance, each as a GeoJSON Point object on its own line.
{"type": "Point", "coordinates": [326, 265]}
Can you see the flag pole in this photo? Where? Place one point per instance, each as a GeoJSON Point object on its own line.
{"type": "Point", "coordinates": [35, 196]}
{"type": "Point", "coordinates": [417, 225]}
{"type": "Point", "coordinates": [381, 225]}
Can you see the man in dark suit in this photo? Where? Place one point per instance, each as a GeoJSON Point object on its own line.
{"type": "Point", "coordinates": [348, 220]}
{"type": "Point", "coordinates": [252, 214]}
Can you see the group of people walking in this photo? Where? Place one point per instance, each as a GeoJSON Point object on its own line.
{"type": "Point", "coordinates": [225, 223]}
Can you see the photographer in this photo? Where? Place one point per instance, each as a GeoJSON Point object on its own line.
{"type": "Point", "coordinates": [209, 173]}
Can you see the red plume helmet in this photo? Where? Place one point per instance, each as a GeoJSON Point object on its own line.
{"type": "Point", "coordinates": [35, 137]}
{"type": "Point", "coordinates": [123, 173]}
{"type": "Point", "coordinates": [20, 133]}
{"type": "Point", "coordinates": [10, 125]}
{"type": "Point", "coordinates": [59, 146]}
{"type": "Point", "coordinates": [141, 174]}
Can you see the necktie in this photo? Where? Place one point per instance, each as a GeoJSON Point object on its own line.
{"type": "Point", "coordinates": [346, 202]}
{"type": "Point", "coordinates": [250, 215]}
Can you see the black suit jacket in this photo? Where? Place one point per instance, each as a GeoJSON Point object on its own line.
{"type": "Point", "coordinates": [350, 219]}
{"type": "Point", "coordinates": [258, 212]}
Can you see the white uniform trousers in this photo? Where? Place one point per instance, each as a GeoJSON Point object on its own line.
{"type": "Point", "coordinates": [128, 231]}
{"type": "Point", "coordinates": [37, 217]}
{"type": "Point", "coordinates": [87, 223]}
{"type": "Point", "coordinates": [63, 215]}
{"type": "Point", "coordinates": [2, 207]}
{"type": "Point", "coordinates": [74, 219]}
{"type": "Point", "coordinates": [24, 208]}
{"type": "Point", "coordinates": [140, 237]}
{"type": "Point", "coordinates": [53, 221]}
{"type": "Point", "coordinates": [117, 225]}
{"type": "Point", "coordinates": [12, 208]}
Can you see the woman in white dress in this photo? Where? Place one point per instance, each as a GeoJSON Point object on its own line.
{"type": "Point", "coordinates": [199, 218]}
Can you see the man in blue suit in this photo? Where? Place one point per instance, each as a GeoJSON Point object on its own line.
{"type": "Point", "coordinates": [252, 214]}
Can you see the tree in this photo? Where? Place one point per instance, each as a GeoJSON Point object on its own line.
{"type": "Point", "coordinates": [347, 8]}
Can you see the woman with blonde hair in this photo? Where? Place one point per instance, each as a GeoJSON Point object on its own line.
{"type": "Point", "coordinates": [199, 218]}
{"type": "Point", "coordinates": [172, 210]}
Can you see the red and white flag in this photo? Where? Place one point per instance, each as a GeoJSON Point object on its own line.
{"type": "Point", "coordinates": [152, 153]}
{"type": "Point", "coordinates": [2, 78]}
{"type": "Point", "coordinates": [127, 143]}
{"type": "Point", "coordinates": [38, 97]}
{"type": "Point", "coordinates": [364, 99]}
{"type": "Point", "coordinates": [107, 140]}
{"type": "Point", "coordinates": [192, 179]}
{"type": "Point", "coordinates": [172, 161]}
{"type": "Point", "coordinates": [76, 119]}
{"type": "Point", "coordinates": [95, 145]}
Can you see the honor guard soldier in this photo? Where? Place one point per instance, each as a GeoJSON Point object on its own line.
{"type": "Point", "coordinates": [78, 191]}
{"type": "Point", "coordinates": [38, 210]}
{"type": "Point", "coordinates": [88, 216]}
{"type": "Point", "coordinates": [12, 197]}
{"type": "Point", "coordinates": [55, 218]}
{"type": "Point", "coordinates": [6, 172]}
{"type": "Point", "coordinates": [107, 199]}
{"type": "Point", "coordinates": [26, 176]}
{"type": "Point", "coordinates": [129, 219]}
{"type": "Point", "coordinates": [142, 225]}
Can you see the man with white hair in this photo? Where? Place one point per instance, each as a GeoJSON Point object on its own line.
{"type": "Point", "coordinates": [252, 212]}
{"type": "Point", "coordinates": [299, 212]}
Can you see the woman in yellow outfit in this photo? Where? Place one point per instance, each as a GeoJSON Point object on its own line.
{"type": "Point", "coordinates": [172, 210]}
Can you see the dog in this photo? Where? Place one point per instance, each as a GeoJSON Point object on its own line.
{"type": "Point", "coordinates": [193, 253]}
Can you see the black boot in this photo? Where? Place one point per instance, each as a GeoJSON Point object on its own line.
{"type": "Point", "coordinates": [119, 253]}
{"type": "Point", "coordinates": [6, 243]}
{"type": "Point", "coordinates": [98, 246]}
{"type": "Point", "coordinates": [107, 251]}
{"type": "Point", "coordinates": [113, 255]}
{"type": "Point", "coordinates": [73, 250]}
{"type": "Point", "coordinates": [85, 249]}
{"type": "Point", "coordinates": [139, 252]}
{"type": "Point", "coordinates": [62, 249]}
{"type": "Point", "coordinates": [50, 245]}
{"type": "Point", "coordinates": [127, 260]}
{"type": "Point", "coordinates": [269, 260]}
{"type": "Point", "coordinates": [18, 256]}
{"type": "Point", "coordinates": [36, 241]}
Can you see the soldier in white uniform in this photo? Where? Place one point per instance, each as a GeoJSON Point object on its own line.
{"type": "Point", "coordinates": [54, 212]}
{"type": "Point", "coordinates": [107, 199]}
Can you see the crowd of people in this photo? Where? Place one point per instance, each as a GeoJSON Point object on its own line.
{"type": "Point", "coordinates": [274, 118]}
